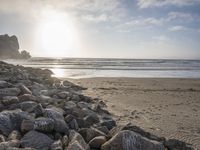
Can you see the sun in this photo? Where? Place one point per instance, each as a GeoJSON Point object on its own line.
{"type": "Point", "coordinates": [57, 34]}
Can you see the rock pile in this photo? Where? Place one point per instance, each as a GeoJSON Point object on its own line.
{"type": "Point", "coordinates": [38, 112]}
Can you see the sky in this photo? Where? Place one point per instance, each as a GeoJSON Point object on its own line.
{"type": "Point", "coordinates": [168, 29]}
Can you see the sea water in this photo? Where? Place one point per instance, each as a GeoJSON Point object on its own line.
{"type": "Point", "coordinates": [105, 67]}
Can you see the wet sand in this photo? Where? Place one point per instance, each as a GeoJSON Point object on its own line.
{"type": "Point", "coordinates": [165, 107]}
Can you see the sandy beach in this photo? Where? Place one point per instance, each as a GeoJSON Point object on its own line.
{"type": "Point", "coordinates": [165, 107]}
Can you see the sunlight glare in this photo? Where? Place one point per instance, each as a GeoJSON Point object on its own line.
{"type": "Point", "coordinates": [58, 35]}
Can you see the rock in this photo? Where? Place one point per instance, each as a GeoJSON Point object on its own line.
{"type": "Point", "coordinates": [37, 140]}
{"type": "Point", "coordinates": [75, 98]}
{"type": "Point", "coordinates": [9, 46]}
{"type": "Point", "coordinates": [76, 142]}
{"type": "Point", "coordinates": [57, 145]}
{"type": "Point", "coordinates": [37, 88]}
{"type": "Point", "coordinates": [14, 135]}
{"type": "Point", "coordinates": [9, 92]}
{"type": "Point", "coordinates": [38, 110]}
{"type": "Point", "coordinates": [61, 126]}
{"type": "Point", "coordinates": [97, 142]}
{"type": "Point", "coordinates": [54, 113]}
{"type": "Point", "coordinates": [173, 144]}
{"type": "Point", "coordinates": [11, 120]}
{"type": "Point", "coordinates": [8, 144]}
{"type": "Point", "coordinates": [75, 146]}
{"type": "Point", "coordinates": [27, 125]}
{"type": "Point", "coordinates": [82, 123]}
{"type": "Point", "coordinates": [58, 136]}
{"type": "Point", "coordinates": [109, 124]}
{"type": "Point", "coordinates": [91, 119]}
{"type": "Point", "coordinates": [90, 133]}
{"type": "Point", "coordinates": [44, 124]}
{"type": "Point", "coordinates": [126, 140]}
{"type": "Point", "coordinates": [4, 84]}
{"type": "Point", "coordinates": [28, 106]}
{"type": "Point", "coordinates": [73, 125]}
{"type": "Point", "coordinates": [69, 107]}
{"type": "Point", "coordinates": [63, 94]}
{"type": "Point", "coordinates": [137, 130]}
{"type": "Point", "coordinates": [69, 118]}
{"type": "Point", "coordinates": [25, 90]}
{"type": "Point", "coordinates": [27, 97]}
{"type": "Point", "coordinates": [65, 141]}
{"type": "Point", "coordinates": [2, 138]}
{"type": "Point", "coordinates": [83, 105]}
{"type": "Point", "coordinates": [103, 129]}
{"type": "Point", "coordinates": [9, 100]}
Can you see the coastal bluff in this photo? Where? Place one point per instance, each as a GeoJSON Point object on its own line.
{"type": "Point", "coordinates": [39, 112]}
{"type": "Point", "coordinates": [9, 48]}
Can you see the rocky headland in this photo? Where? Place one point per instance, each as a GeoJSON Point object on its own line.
{"type": "Point", "coordinates": [39, 112]}
{"type": "Point", "coordinates": [9, 48]}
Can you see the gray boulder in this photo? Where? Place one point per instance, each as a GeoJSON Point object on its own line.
{"type": "Point", "coordinates": [90, 133]}
{"type": "Point", "coordinates": [44, 124]}
{"type": "Point", "coordinates": [37, 140]}
{"type": "Point", "coordinates": [9, 92]}
{"type": "Point", "coordinates": [129, 140]}
{"type": "Point", "coordinates": [97, 142]}
{"type": "Point", "coordinates": [4, 84]}
{"type": "Point", "coordinates": [11, 120]}
{"type": "Point", "coordinates": [76, 142]}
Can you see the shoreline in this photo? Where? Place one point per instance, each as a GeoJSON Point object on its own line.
{"type": "Point", "coordinates": [38, 111]}
{"type": "Point", "coordinates": [167, 107]}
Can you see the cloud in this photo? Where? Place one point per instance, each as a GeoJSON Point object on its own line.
{"type": "Point", "coordinates": [96, 18]}
{"type": "Point", "coordinates": [180, 16]}
{"type": "Point", "coordinates": [177, 28]}
{"type": "Point", "coordinates": [99, 9]}
{"type": "Point", "coordinates": [160, 3]}
{"type": "Point", "coordinates": [161, 38]}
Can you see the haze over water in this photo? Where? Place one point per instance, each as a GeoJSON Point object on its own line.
{"type": "Point", "coordinates": [99, 67]}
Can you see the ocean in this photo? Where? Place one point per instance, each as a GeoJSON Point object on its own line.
{"type": "Point", "coordinates": [104, 67]}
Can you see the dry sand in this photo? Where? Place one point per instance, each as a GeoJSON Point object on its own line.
{"type": "Point", "coordinates": [165, 107]}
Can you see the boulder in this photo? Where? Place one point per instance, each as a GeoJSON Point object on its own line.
{"type": "Point", "coordinates": [73, 125]}
{"type": "Point", "coordinates": [4, 84]}
{"type": "Point", "coordinates": [14, 135]}
{"type": "Point", "coordinates": [57, 145]}
{"type": "Point", "coordinates": [44, 124]}
{"type": "Point", "coordinates": [28, 97]}
{"type": "Point", "coordinates": [65, 141]}
{"type": "Point", "coordinates": [69, 107]}
{"type": "Point", "coordinates": [7, 145]}
{"type": "Point", "coordinates": [136, 129]}
{"type": "Point", "coordinates": [91, 119]}
{"type": "Point", "coordinates": [76, 142]}
{"type": "Point", "coordinates": [37, 140]}
{"type": "Point", "coordinates": [9, 92]}
{"type": "Point", "coordinates": [24, 89]}
{"type": "Point", "coordinates": [127, 140]}
{"type": "Point", "coordinates": [63, 94]}
{"type": "Point", "coordinates": [54, 113]}
{"type": "Point", "coordinates": [90, 133]}
{"type": "Point", "coordinates": [97, 142]}
{"type": "Point", "coordinates": [9, 100]}
{"type": "Point", "coordinates": [108, 123]}
{"type": "Point", "coordinates": [61, 126]}
{"type": "Point", "coordinates": [27, 125]}
{"type": "Point", "coordinates": [11, 120]}
{"type": "Point", "coordinates": [173, 144]}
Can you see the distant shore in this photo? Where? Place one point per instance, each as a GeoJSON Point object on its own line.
{"type": "Point", "coordinates": [164, 106]}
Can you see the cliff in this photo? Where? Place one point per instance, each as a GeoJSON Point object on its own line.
{"type": "Point", "coordinates": [9, 48]}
